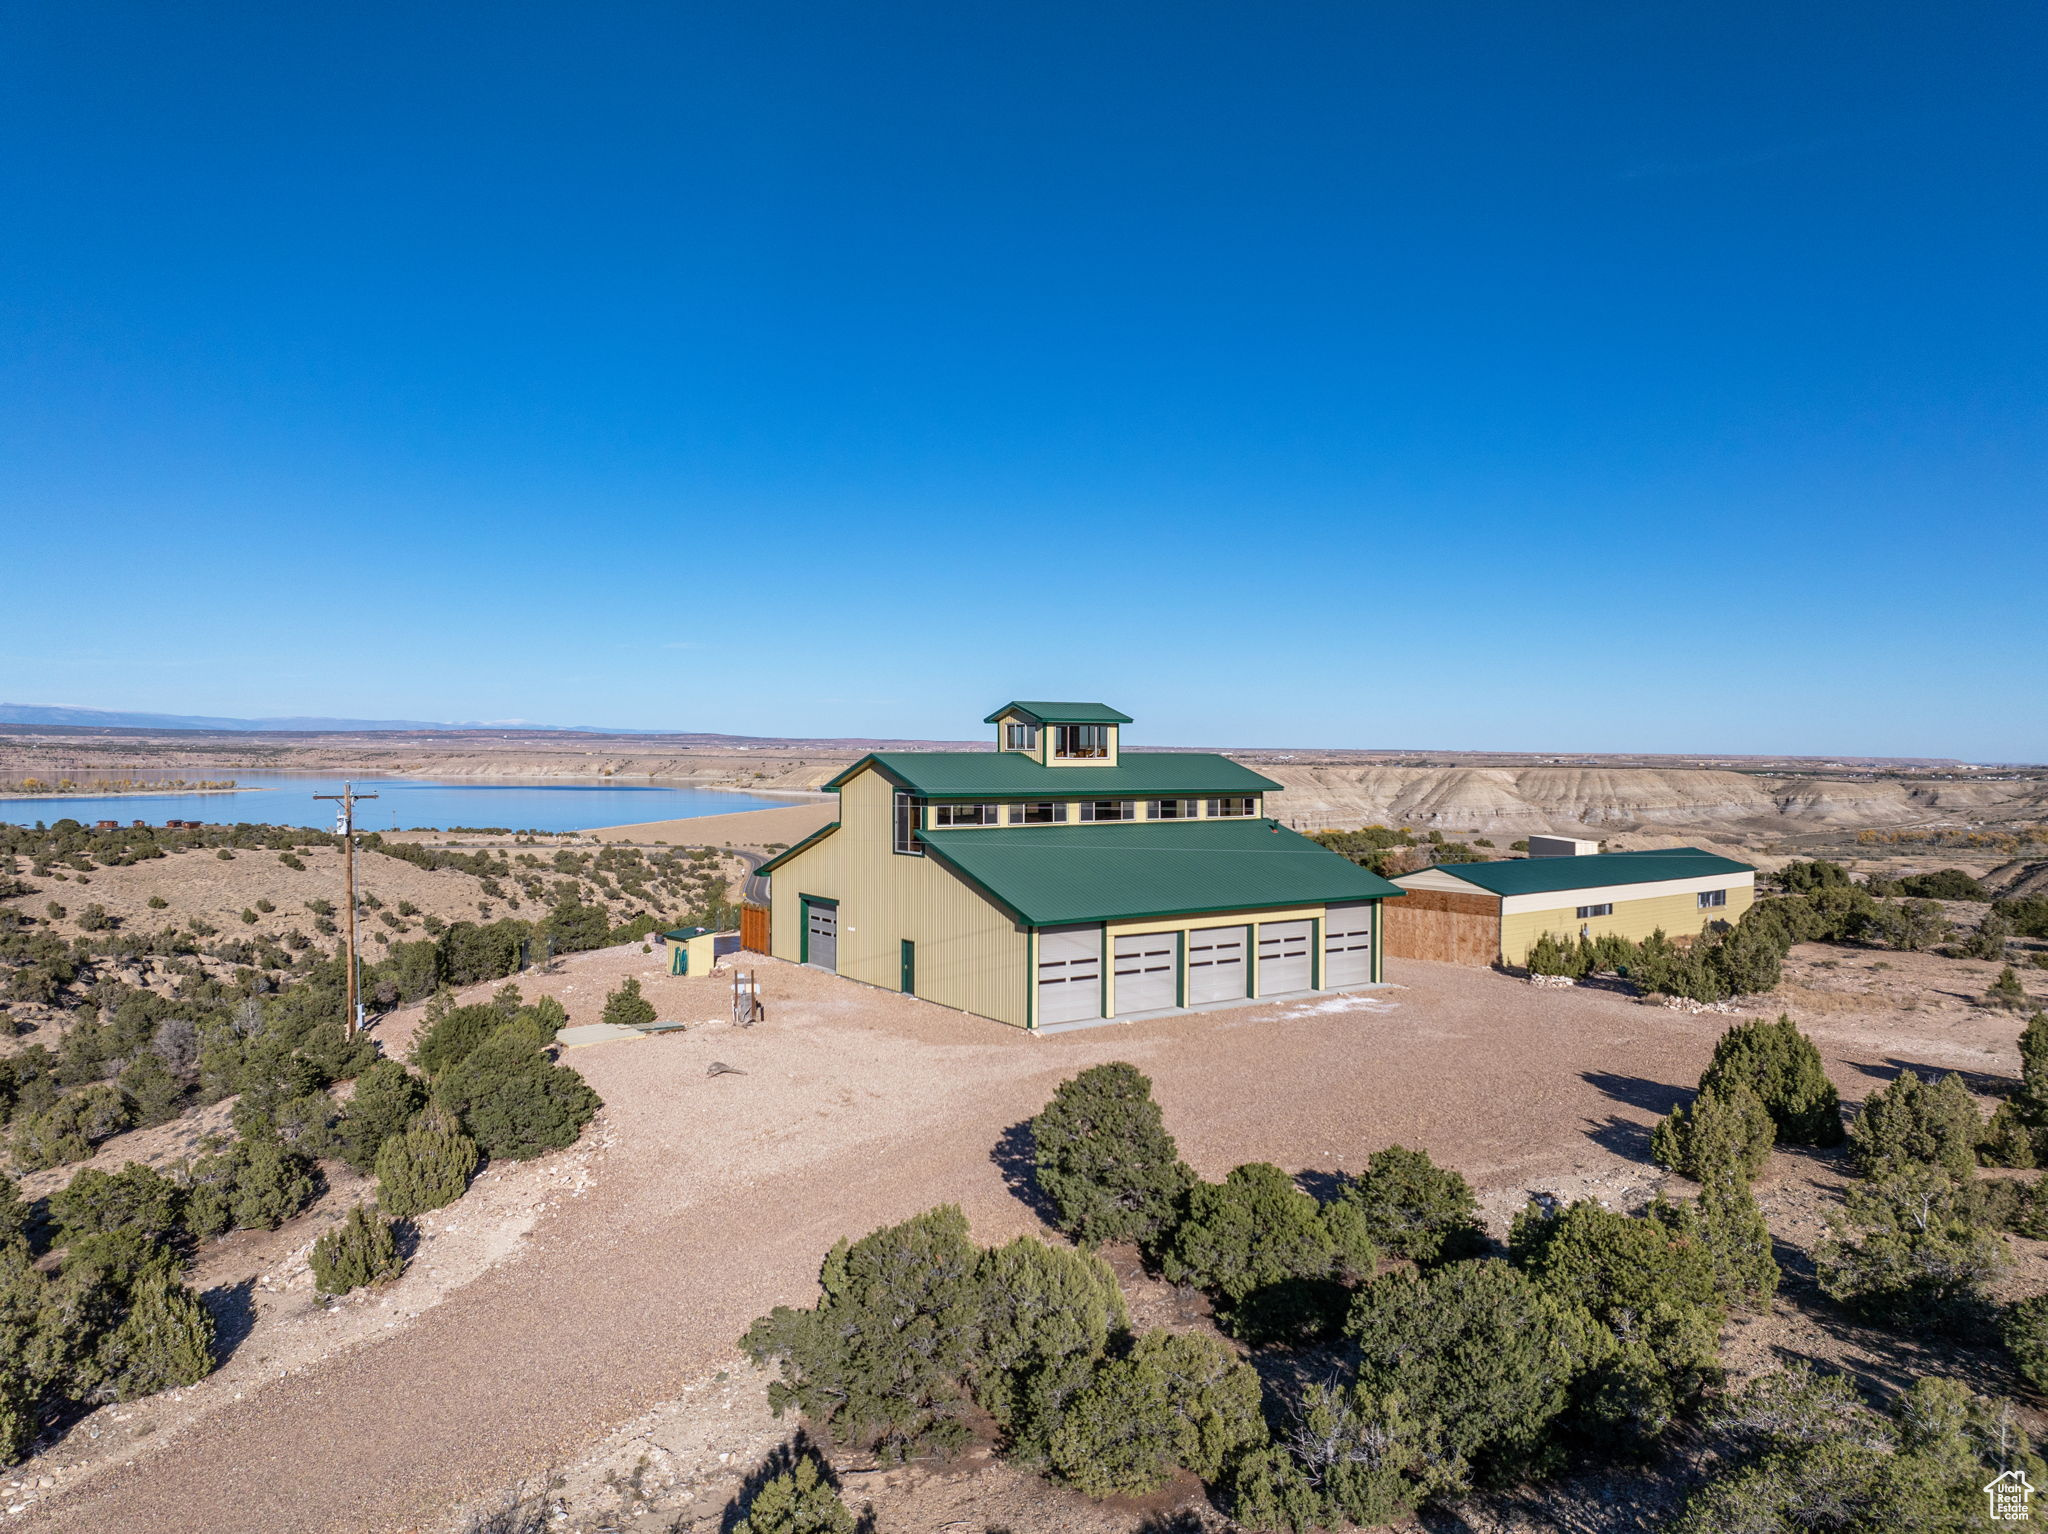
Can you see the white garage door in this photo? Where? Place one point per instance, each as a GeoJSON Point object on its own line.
{"type": "Point", "coordinates": [1069, 974]}
{"type": "Point", "coordinates": [1285, 963]}
{"type": "Point", "coordinates": [1219, 967]}
{"type": "Point", "coordinates": [1147, 972]}
{"type": "Point", "coordinates": [1347, 945]}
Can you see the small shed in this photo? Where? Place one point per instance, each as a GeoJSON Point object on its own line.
{"type": "Point", "coordinates": [693, 950]}
{"type": "Point", "coordinates": [1492, 913]}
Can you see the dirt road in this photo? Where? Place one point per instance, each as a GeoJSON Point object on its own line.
{"type": "Point", "coordinates": [718, 1196]}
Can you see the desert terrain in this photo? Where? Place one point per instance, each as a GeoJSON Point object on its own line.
{"type": "Point", "coordinates": [1793, 805]}
{"type": "Point", "coordinates": [573, 1322]}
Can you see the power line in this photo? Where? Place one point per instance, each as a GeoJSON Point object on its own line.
{"type": "Point", "coordinates": [346, 826]}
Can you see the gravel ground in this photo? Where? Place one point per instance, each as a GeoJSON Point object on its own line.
{"type": "Point", "coordinates": [711, 1199]}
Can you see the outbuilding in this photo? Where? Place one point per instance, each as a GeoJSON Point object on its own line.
{"type": "Point", "coordinates": [1492, 913]}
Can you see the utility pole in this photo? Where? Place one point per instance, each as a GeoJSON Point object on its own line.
{"type": "Point", "coordinates": [347, 799]}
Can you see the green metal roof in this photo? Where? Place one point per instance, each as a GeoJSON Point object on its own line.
{"type": "Point", "coordinates": [1062, 713]}
{"type": "Point", "coordinates": [1050, 875]}
{"type": "Point", "coordinates": [1540, 876]}
{"type": "Point", "coordinates": [684, 934]}
{"type": "Point", "coordinates": [1012, 775]}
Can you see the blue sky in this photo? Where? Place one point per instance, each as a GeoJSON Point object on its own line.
{"type": "Point", "coordinates": [1595, 377]}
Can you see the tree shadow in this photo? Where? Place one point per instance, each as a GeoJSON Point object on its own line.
{"type": "Point", "coordinates": [1321, 1186]}
{"type": "Point", "coordinates": [1624, 1137]}
{"type": "Point", "coordinates": [1639, 1091]}
{"type": "Point", "coordinates": [781, 1460]}
{"type": "Point", "coordinates": [233, 1308]}
{"type": "Point", "coordinates": [1983, 1082]}
{"type": "Point", "coordinates": [1015, 1155]}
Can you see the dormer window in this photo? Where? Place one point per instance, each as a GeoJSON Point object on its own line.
{"type": "Point", "coordinates": [1080, 740]}
{"type": "Point", "coordinates": [966, 814]}
{"type": "Point", "coordinates": [1020, 737]}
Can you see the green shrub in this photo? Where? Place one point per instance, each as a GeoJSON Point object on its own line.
{"type": "Point", "coordinates": [448, 1040]}
{"type": "Point", "coordinates": [1255, 1233]}
{"type": "Point", "coordinates": [1803, 878]}
{"type": "Point", "coordinates": [1413, 1208]}
{"type": "Point", "coordinates": [1176, 1400]}
{"type": "Point", "coordinates": [1731, 1227]}
{"type": "Point", "coordinates": [156, 1095]}
{"type": "Point", "coordinates": [1910, 1247]}
{"type": "Point", "coordinates": [2024, 1326]}
{"type": "Point", "coordinates": [1943, 884]}
{"type": "Point", "coordinates": [164, 1339]}
{"type": "Point", "coordinates": [626, 1007]}
{"type": "Point", "coordinates": [1552, 954]}
{"type": "Point", "coordinates": [1802, 1452]}
{"type": "Point", "coordinates": [513, 1100]}
{"type": "Point", "coordinates": [2007, 991]}
{"type": "Point", "coordinates": [135, 1197]}
{"type": "Point", "coordinates": [362, 1250]}
{"type": "Point", "coordinates": [1725, 1136]}
{"type": "Point", "coordinates": [387, 1095]}
{"type": "Point", "coordinates": [424, 1168]}
{"type": "Point", "coordinates": [1653, 1283]}
{"type": "Point", "coordinates": [1483, 1349]}
{"type": "Point", "coordinates": [1105, 1160]}
{"type": "Point", "coordinates": [1914, 1119]}
{"type": "Point", "coordinates": [1047, 1316]}
{"type": "Point", "coordinates": [879, 1359]}
{"type": "Point", "coordinates": [70, 1127]}
{"type": "Point", "coordinates": [2010, 1139]}
{"type": "Point", "coordinates": [1780, 1065]}
{"type": "Point", "coordinates": [799, 1500]}
{"type": "Point", "coordinates": [1349, 1457]}
{"type": "Point", "coordinates": [251, 1185]}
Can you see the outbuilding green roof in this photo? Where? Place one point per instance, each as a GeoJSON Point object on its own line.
{"type": "Point", "coordinates": [1013, 775]}
{"type": "Point", "coordinates": [1542, 876]}
{"type": "Point", "coordinates": [1047, 876]}
{"type": "Point", "coordinates": [1062, 713]}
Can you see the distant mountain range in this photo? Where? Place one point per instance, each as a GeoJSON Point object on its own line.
{"type": "Point", "coordinates": [46, 713]}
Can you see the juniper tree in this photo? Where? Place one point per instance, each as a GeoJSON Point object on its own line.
{"type": "Point", "coordinates": [1047, 1315]}
{"type": "Point", "coordinates": [513, 1100]}
{"type": "Point", "coordinates": [1268, 1252]}
{"type": "Point", "coordinates": [1780, 1065]}
{"type": "Point", "coordinates": [163, 1339]}
{"type": "Point", "coordinates": [1910, 1246]}
{"type": "Point", "coordinates": [1484, 1349]}
{"type": "Point", "coordinates": [1653, 1287]}
{"type": "Point", "coordinates": [1176, 1400]}
{"type": "Point", "coordinates": [1725, 1135]}
{"type": "Point", "coordinates": [137, 1197]}
{"type": "Point", "coordinates": [2024, 1327]}
{"type": "Point", "coordinates": [798, 1500]}
{"type": "Point", "coordinates": [387, 1095]}
{"type": "Point", "coordinates": [1104, 1157]}
{"type": "Point", "coordinates": [626, 1007]}
{"type": "Point", "coordinates": [2007, 991]}
{"type": "Point", "coordinates": [1915, 1120]}
{"type": "Point", "coordinates": [879, 1360]}
{"type": "Point", "coordinates": [1346, 1457]}
{"type": "Point", "coordinates": [362, 1250]}
{"type": "Point", "coordinates": [1414, 1208]}
{"type": "Point", "coordinates": [426, 1167]}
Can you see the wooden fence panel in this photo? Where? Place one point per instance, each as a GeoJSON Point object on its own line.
{"type": "Point", "coordinates": [1437, 924]}
{"type": "Point", "coordinates": [754, 928]}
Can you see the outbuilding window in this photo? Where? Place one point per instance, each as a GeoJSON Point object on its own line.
{"type": "Point", "coordinates": [1043, 813]}
{"type": "Point", "coordinates": [1595, 910]}
{"type": "Point", "coordinates": [1108, 809]}
{"type": "Point", "coordinates": [1173, 809]}
{"type": "Point", "coordinates": [1713, 899]}
{"type": "Point", "coordinates": [908, 807]}
{"type": "Point", "coordinates": [1237, 804]}
{"type": "Point", "coordinates": [966, 814]}
{"type": "Point", "coordinates": [1021, 737]}
{"type": "Point", "coordinates": [1080, 740]}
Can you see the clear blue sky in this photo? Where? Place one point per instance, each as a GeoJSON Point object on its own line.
{"type": "Point", "coordinates": [1590, 377]}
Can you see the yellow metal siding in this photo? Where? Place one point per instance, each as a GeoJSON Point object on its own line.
{"type": "Point", "coordinates": [970, 954]}
{"type": "Point", "coordinates": [1679, 915]}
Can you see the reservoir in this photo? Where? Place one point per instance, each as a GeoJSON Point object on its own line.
{"type": "Point", "coordinates": [402, 804]}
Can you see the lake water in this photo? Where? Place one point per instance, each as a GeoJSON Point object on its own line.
{"type": "Point", "coordinates": [286, 799]}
